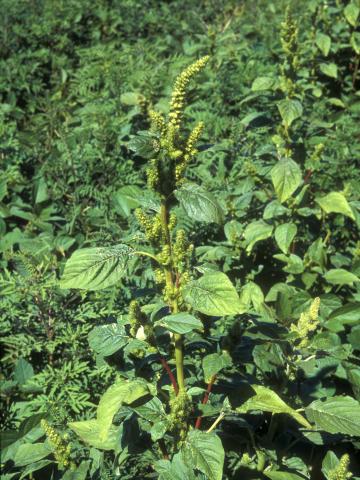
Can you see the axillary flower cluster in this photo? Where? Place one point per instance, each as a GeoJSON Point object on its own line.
{"type": "Point", "coordinates": [307, 323]}
{"type": "Point", "coordinates": [61, 447]}
{"type": "Point", "coordinates": [341, 471]}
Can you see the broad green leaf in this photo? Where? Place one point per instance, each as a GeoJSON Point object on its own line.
{"type": "Point", "coordinates": [351, 12]}
{"type": "Point", "coordinates": [204, 451]}
{"type": "Point", "coordinates": [335, 202]}
{"type": "Point", "coordinates": [152, 410]}
{"type": "Point", "coordinates": [294, 263]}
{"type": "Point", "coordinates": [131, 98]}
{"type": "Point", "coordinates": [199, 204]}
{"type": "Point", "coordinates": [213, 363]}
{"type": "Point", "coordinates": [284, 235]}
{"type": "Point", "coordinates": [213, 294]}
{"type": "Point", "coordinates": [180, 323]}
{"type": "Point", "coordinates": [23, 371]}
{"type": "Point", "coordinates": [107, 339]}
{"type": "Point", "coordinates": [255, 232]}
{"type": "Point", "coordinates": [330, 462]}
{"type": "Point", "coordinates": [174, 469]}
{"type": "Point", "coordinates": [34, 467]}
{"type": "Point", "coordinates": [289, 110]}
{"type": "Point", "coordinates": [127, 198]}
{"type": "Point", "coordinates": [31, 452]}
{"type": "Point", "coordinates": [336, 415]}
{"type": "Point", "coordinates": [323, 42]}
{"type": "Point", "coordinates": [266, 400]}
{"type": "Point", "coordinates": [329, 69]}
{"type": "Point", "coordinates": [339, 276]}
{"type": "Point", "coordinates": [90, 432]}
{"type": "Point", "coordinates": [96, 268]}
{"type": "Point", "coordinates": [251, 294]}
{"type": "Point", "coordinates": [80, 472]}
{"type": "Point", "coordinates": [262, 83]}
{"type": "Point", "coordinates": [286, 177]}
{"type": "Point", "coordinates": [122, 392]}
{"type": "Point", "coordinates": [276, 475]}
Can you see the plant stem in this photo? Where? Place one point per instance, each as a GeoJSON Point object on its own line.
{"type": "Point", "coordinates": [217, 421]}
{"type": "Point", "coordinates": [205, 399]}
{"type": "Point", "coordinates": [169, 278]}
{"type": "Point", "coordinates": [171, 375]}
{"type": "Point", "coordinates": [147, 254]}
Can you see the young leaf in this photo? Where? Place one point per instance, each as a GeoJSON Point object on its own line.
{"type": "Point", "coordinates": [339, 276]}
{"type": "Point", "coordinates": [30, 453]}
{"type": "Point", "coordinates": [204, 451]}
{"type": "Point", "coordinates": [213, 294]}
{"type": "Point", "coordinates": [122, 392]}
{"type": "Point", "coordinates": [96, 268]}
{"type": "Point", "coordinates": [107, 339]}
{"type": "Point", "coordinates": [213, 363]}
{"type": "Point", "coordinates": [323, 42]}
{"type": "Point", "coordinates": [351, 12]}
{"type": "Point", "coordinates": [289, 110]}
{"type": "Point", "coordinates": [262, 83]}
{"type": "Point", "coordinates": [255, 232]}
{"type": "Point", "coordinates": [174, 469]}
{"type": "Point", "coordinates": [266, 400]}
{"type": "Point", "coordinates": [180, 323]}
{"type": "Point", "coordinates": [335, 202]}
{"type": "Point", "coordinates": [286, 177]}
{"type": "Point", "coordinates": [89, 432]}
{"type": "Point", "coordinates": [199, 204]}
{"type": "Point", "coordinates": [329, 69]}
{"type": "Point", "coordinates": [23, 371]}
{"type": "Point", "coordinates": [284, 235]}
{"type": "Point", "coordinates": [277, 475]}
{"type": "Point", "coordinates": [336, 415]}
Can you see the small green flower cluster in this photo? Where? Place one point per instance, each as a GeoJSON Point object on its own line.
{"type": "Point", "coordinates": [61, 447]}
{"type": "Point", "coordinates": [289, 39]}
{"type": "Point", "coordinates": [307, 323]}
{"type": "Point", "coordinates": [341, 471]}
{"type": "Point", "coordinates": [180, 410]}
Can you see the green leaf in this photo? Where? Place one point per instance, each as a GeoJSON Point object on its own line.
{"type": "Point", "coordinates": [294, 263]}
{"type": "Point", "coordinates": [289, 110]}
{"type": "Point", "coordinates": [174, 469]}
{"type": "Point", "coordinates": [107, 339]}
{"type": "Point", "coordinates": [266, 400]}
{"type": "Point", "coordinates": [276, 475]}
{"type": "Point", "coordinates": [329, 69]}
{"type": "Point", "coordinates": [199, 204]}
{"type": "Point", "coordinates": [90, 432]}
{"type": "Point", "coordinates": [335, 202]}
{"type": "Point", "coordinates": [131, 98]}
{"type": "Point", "coordinates": [330, 462]}
{"type": "Point", "coordinates": [80, 472]}
{"type": "Point", "coordinates": [286, 177]}
{"type": "Point", "coordinates": [336, 415]}
{"type": "Point", "coordinates": [23, 371]}
{"type": "Point", "coordinates": [351, 12]}
{"type": "Point", "coordinates": [34, 467]}
{"type": "Point", "coordinates": [96, 268]}
{"type": "Point", "coordinates": [127, 198]}
{"type": "Point", "coordinates": [339, 276]}
{"type": "Point", "coordinates": [152, 410]}
{"type": "Point", "coordinates": [284, 235]}
{"type": "Point", "coordinates": [122, 392]}
{"type": "Point", "coordinates": [213, 363]}
{"type": "Point", "coordinates": [31, 452]}
{"type": "Point", "coordinates": [213, 294]}
{"type": "Point", "coordinates": [262, 83]}
{"type": "Point", "coordinates": [255, 232]}
{"type": "Point", "coordinates": [323, 42]}
{"type": "Point", "coordinates": [204, 452]}
{"type": "Point", "coordinates": [180, 323]}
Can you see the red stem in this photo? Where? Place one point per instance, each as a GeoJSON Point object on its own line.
{"type": "Point", "coordinates": [206, 398]}
{"type": "Point", "coordinates": [307, 176]}
{"type": "Point", "coordinates": [171, 375]}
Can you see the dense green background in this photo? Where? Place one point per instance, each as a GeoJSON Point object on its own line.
{"type": "Point", "coordinates": [76, 80]}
